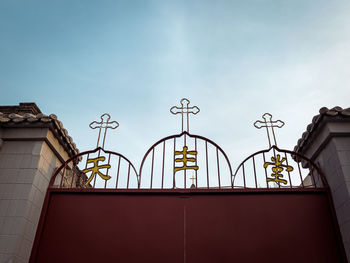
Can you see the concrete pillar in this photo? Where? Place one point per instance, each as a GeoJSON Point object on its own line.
{"type": "Point", "coordinates": [32, 146]}
{"type": "Point", "coordinates": [327, 143]}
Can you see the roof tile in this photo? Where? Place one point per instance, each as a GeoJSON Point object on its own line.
{"type": "Point", "coordinates": [316, 120]}
{"type": "Point", "coordinates": [40, 117]}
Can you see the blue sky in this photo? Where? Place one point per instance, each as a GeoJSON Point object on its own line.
{"type": "Point", "coordinates": [136, 59]}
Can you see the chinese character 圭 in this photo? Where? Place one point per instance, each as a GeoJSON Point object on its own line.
{"type": "Point", "coordinates": [277, 169]}
{"type": "Point", "coordinates": [185, 159]}
{"type": "Point", "coordinates": [95, 169]}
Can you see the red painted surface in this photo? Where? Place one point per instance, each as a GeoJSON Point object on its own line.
{"type": "Point", "coordinates": [187, 227]}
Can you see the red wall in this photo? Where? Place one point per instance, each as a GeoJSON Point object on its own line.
{"type": "Point", "coordinates": [192, 227]}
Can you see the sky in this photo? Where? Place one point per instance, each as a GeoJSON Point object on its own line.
{"type": "Point", "coordinates": [235, 60]}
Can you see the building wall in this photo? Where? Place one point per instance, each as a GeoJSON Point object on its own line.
{"type": "Point", "coordinates": [336, 164]}
{"type": "Point", "coordinates": [28, 158]}
{"type": "Point", "coordinates": [331, 151]}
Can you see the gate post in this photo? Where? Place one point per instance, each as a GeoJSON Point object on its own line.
{"type": "Point", "coordinates": [32, 146]}
{"type": "Point", "coordinates": [327, 142]}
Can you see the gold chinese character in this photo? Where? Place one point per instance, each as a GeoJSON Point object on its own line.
{"type": "Point", "coordinates": [185, 159]}
{"type": "Point", "coordinates": [277, 169]}
{"type": "Point", "coordinates": [95, 169]}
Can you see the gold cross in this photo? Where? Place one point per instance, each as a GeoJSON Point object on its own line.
{"type": "Point", "coordinates": [193, 179]}
{"type": "Point", "coordinates": [269, 123]}
{"type": "Point", "coordinates": [185, 110]}
{"type": "Point", "coordinates": [103, 124]}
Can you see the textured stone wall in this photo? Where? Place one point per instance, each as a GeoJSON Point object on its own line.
{"type": "Point", "coordinates": [28, 158]}
{"type": "Point", "coordinates": [331, 151]}
{"type": "Point", "coordinates": [340, 179]}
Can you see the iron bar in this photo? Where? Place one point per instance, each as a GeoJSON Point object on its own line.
{"type": "Point", "coordinates": [95, 177]}
{"type": "Point", "coordinates": [116, 185]}
{"type": "Point", "coordinates": [244, 184]}
{"type": "Point", "coordinates": [127, 186]}
{"type": "Point", "coordinates": [206, 160]}
{"type": "Point", "coordinates": [290, 180]}
{"type": "Point", "coordinates": [217, 160]}
{"type": "Point", "coordinates": [174, 163]}
{"type": "Point", "coordinates": [152, 168]}
{"type": "Point", "coordinates": [104, 139]}
{"type": "Point", "coordinates": [98, 139]}
{"type": "Point", "coordinates": [274, 155]}
{"type": "Point", "coordinates": [163, 164]}
{"type": "Point", "coordinates": [182, 121]}
{"type": "Point", "coordinates": [73, 168]}
{"type": "Point", "coordinates": [301, 177]}
{"type": "Point", "coordinates": [195, 148]}
{"type": "Point", "coordinates": [185, 175]}
{"type": "Point", "coordinates": [64, 170]}
{"type": "Point", "coordinates": [109, 161]}
{"type": "Point", "coordinates": [268, 136]}
{"type": "Point", "coordinates": [273, 133]}
{"type": "Point", "coordinates": [256, 183]}
{"type": "Point", "coordinates": [267, 182]}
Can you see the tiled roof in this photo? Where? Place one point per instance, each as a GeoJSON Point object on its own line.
{"type": "Point", "coordinates": [13, 119]}
{"type": "Point", "coordinates": [325, 113]}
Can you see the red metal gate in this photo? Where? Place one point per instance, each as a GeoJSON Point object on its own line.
{"type": "Point", "coordinates": [251, 215]}
{"type": "Point", "coordinates": [197, 226]}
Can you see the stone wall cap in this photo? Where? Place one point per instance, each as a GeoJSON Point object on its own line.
{"type": "Point", "coordinates": [20, 117]}
{"type": "Point", "coordinates": [335, 113]}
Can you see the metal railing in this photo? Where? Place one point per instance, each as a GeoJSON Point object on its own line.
{"type": "Point", "coordinates": [204, 166]}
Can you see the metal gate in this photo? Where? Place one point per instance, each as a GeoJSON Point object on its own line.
{"type": "Point", "coordinates": [276, 207]}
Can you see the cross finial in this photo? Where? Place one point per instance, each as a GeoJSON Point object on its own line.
{"type": "Point", "coordinates": [185, 110]}
{"type": "Point", "coordinates": [269, 123]}
{"type": "Point", "coordinates": [193, 180]}
{"type": "Point", "coordinates": [103, 124]}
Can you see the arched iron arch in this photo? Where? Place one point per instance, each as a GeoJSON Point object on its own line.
{"type": "Point", "coordinates": [174, 137]}
{"type": "Point", "coordinates": [316, 176]}
{"type": "Point", "coordinates": [75, 160]}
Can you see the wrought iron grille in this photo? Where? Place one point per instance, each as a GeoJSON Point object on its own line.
{"type": "Point", "coordinates": [120, 171]}
{"type": "Point", "coordinates": [159, 168]}
{"type": "Point", "coordinates": [187, 161]}
{"type": "Point", "coordinates": [277, 168]}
